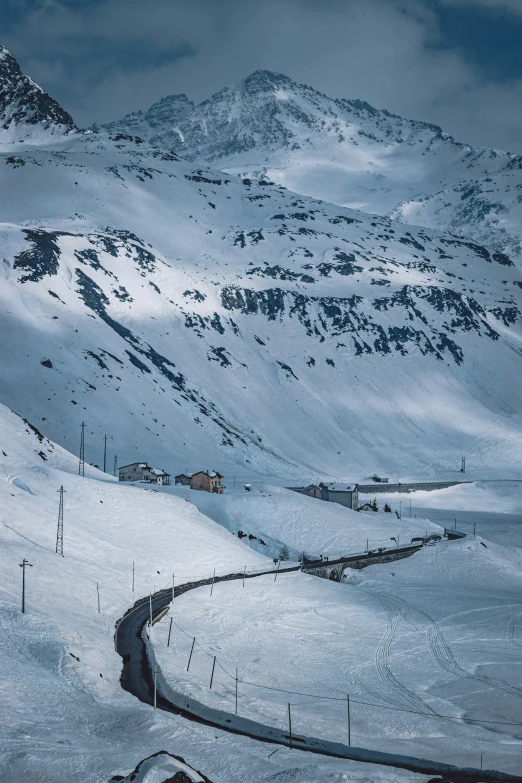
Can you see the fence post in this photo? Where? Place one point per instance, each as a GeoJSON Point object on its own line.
{"type": "Point", "coordinates": [212, 585]}
{"type": "Point", "coordinates": [277, 571]}
{"type": "Point", "coordinates": [236, 691]}
{"type": "Point", "coordinates": [191, 651]}
{"type": "Point", "coordinates": [155, 678]}
{"type": "Point", "coordinates": [212, 675]}
{"type": "Point", "coordinates": [349, 721]}
{"type": "Point", "coordinates": [170, 629]}
{"type": "Point", "coordinates": [290, 725]}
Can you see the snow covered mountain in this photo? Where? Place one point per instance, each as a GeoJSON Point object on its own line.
{"type": "Point", "coordinates": [199, 318]}
{"type": "Point", "coordinates": [346, 152]}
{"type": "Point", "coordinates": [27, 113]}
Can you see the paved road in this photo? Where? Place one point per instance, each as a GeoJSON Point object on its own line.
{"type": "Point", "coordinates": [136, 678]}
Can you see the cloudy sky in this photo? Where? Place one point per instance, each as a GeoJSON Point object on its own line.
{"type": "Point", "coordinates": [457, 63]}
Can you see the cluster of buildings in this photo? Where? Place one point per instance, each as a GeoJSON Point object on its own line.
{"type": "Point", "coordinates": [205, 480]}
{"type": "Point", "coordinates": [345, 494]}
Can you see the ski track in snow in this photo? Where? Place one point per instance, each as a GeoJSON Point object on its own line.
{"type": "Point", "coordinates": [442, 653]}
{"type": "Point", "coordinates": [382, 655]}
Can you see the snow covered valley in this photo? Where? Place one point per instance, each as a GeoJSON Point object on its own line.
{"type": "Point", "coordinates": [206, 320]}
{"type": "Point", "coordinates": [433, 640]}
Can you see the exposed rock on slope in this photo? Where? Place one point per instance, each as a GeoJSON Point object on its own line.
{"type": "Point", "coordinates": [26, 111]}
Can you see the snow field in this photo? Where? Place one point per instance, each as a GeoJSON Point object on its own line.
{"type": "Point", "coordinates": [61, 720]}
{"type": "Point", "coordinates": [415, 643]}
{"type": "Point", "coordinates": [279, 516]}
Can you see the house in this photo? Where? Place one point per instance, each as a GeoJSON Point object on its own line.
{"type": "Point", "coordinates": [379, 479]}
{"type": "Point", "coordinates": [345, 494]}
{"type": "Point", "coordinates": [159, 477]}
{"type": "Point", "coordinates": [207, 481]}
{"type": "Point", "coordinates": [141, 471]}
{"type": "Point", "coordinates": [183, 478]}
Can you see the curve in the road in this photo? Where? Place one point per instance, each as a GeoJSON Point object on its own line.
{"type": "Point", "coordinates": [137, 679]}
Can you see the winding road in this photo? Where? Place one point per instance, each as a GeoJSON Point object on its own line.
{"type": "Point", "coordinates": [137, 679]}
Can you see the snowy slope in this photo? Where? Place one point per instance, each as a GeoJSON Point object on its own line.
{"type": "Point", "coordinates": [424, 646]}
{"type": "Point", "coordinates": [343, 151]}
{"type": "Point", "coordinates": [210, 311]}
{"type": "Point", "coordinates": [63, 714]}
{"type": "Point", "coordinates": [268, 518]}
{"type": "Point", "coordinates": [200, 319]}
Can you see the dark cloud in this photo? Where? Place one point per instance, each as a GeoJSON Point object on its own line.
{"type": "Point", "coordinates": [102, 58]}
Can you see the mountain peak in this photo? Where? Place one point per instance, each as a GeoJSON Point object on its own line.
{"type": "Point", "coordinates": [25, 108]}
{"type": "Point", "coordinates": [263, 81]}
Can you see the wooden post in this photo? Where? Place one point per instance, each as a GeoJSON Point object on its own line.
{"type": "Point", "coordinates": [191, 651]}
{"type": "Point", "coordinates": [173, 587]}
{"type": "Point", "coordinates": [212, 585]}
{"type": "Point", "coordinates": [98, 591]}
{"type": "Point", "coordinates": [349, 721]}
{"type": "Point", "coordinates": [290, 725]}
{"type": "Point", "coordinates": [244, 572]}
{"type": "Point", "coordinates": [212, 675]}
{"type": "Point", "coordinates": [170, 629]}
{"type": "Point", "coordinates": [155, 678]}
{"type": "Point", "coordinates": [150, 614]}
{"type": "Point", "coordinates": [278, 564]}
{"type": "Point", "coordinates": [236, 691]}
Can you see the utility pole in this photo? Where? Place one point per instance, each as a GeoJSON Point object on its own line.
{"type": "Point", "coordinates": [98, 591]}
{"type": "Point", "coordinates": [349, 722]}
{"type": "Point", "coordinates": [400, 509]}
{"type": "Point", "coordinates": [173, 588]}
{"type": "Point", "coordinates": [115, 464]}
{"type": "Point", "coordinates": [133, 578]}
{"type": "Point", "coordinates": [474, 529]}
{"type": "Point", "coordinates": [170, 629]}
{"type": "Point", "coordinates": [463, 466]}
{"type": "Point", "coordinates": [212, 584]}
{"type": "Point", "coordinates": [244, 572]}
{"type": "Point", "coordinates": [81, 464]}
{"type": "Point", "coordinates": [22, 565]}
{"type": "Point", "coordinates": [410, 509]}
{"type": "Point", "coordinates": [155, 687]}
{"type": "Point", "coordinates": [212, 675]}
{"type": "Point", "coordinates": [277, 571]}
{"type": "Point", "coordinates": [104, 453]}
{"type": "Point", "coordinates": [59, 533]}
{"type": "Point", "coordinates": [236, 691]}
{"type": "Point", "coordinates": [290, 725]}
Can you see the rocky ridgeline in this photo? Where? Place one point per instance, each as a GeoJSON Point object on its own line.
{"type": "Point", "coordinates": [24, 107]}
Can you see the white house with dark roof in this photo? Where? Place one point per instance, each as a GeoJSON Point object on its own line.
{"type": "Point", "coordinates": [141, 471]}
